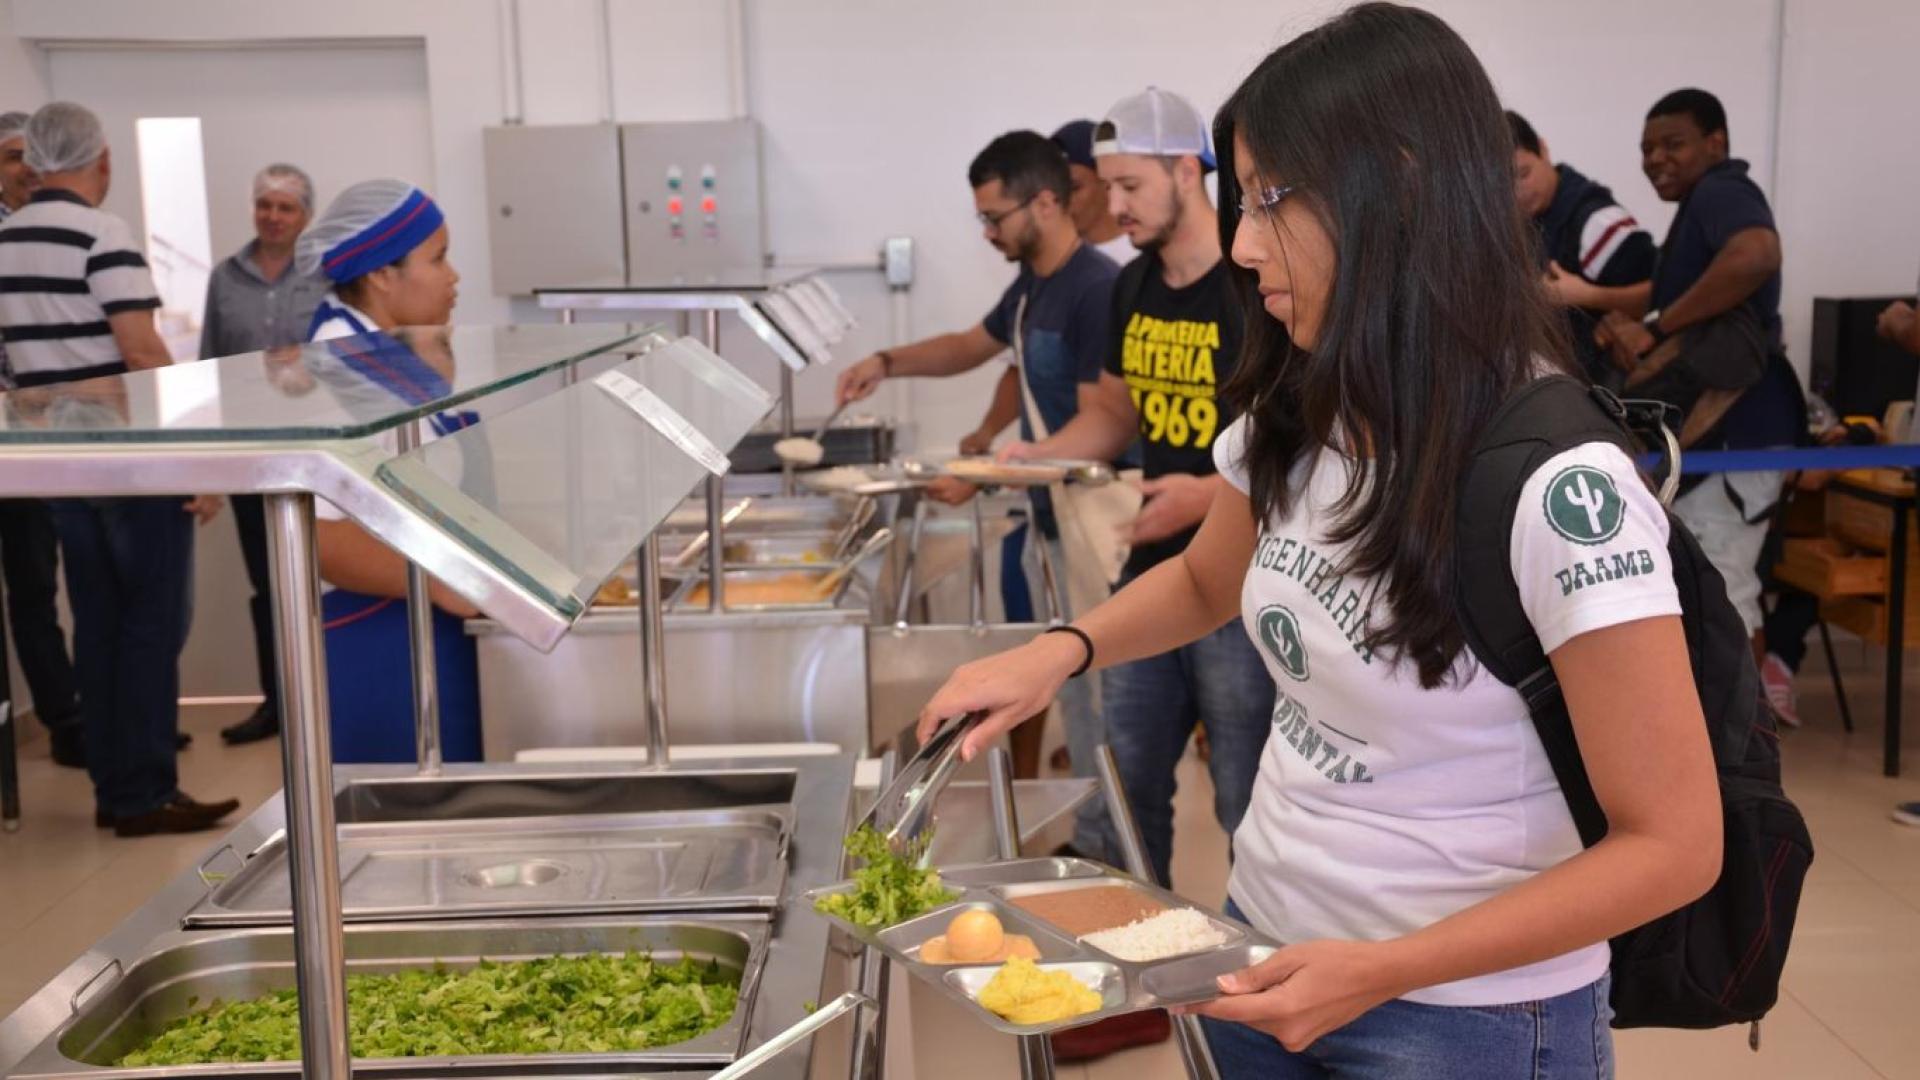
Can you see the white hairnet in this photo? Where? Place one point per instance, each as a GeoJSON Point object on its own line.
{"type": "Point", "coordinates": [62, 137]}
{"type": "Point", "coordinates": [12, 125]}
{"type": "Point", "coordinates": [286, 179]}
{"type": "Point", "coordinates": [367, 226]}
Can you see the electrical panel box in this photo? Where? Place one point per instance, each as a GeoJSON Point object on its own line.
{"type": "Point", "coordinates": [693, 207]}
{"type": "Point", "coordinates": [554, 206]}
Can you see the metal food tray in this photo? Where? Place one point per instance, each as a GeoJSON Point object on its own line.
{"type": "Point", "coordinates": [116, 1010]}
{"type": "Point", "coordinates": [467, 849]}
{"type": "Point", "coordinates": [683, 599]}
{"type": "Point", "coordinates": [1124, 986]}
{"type": "Point", "coordinates": [767, 514]}
{"type": "Point", "coordinates": [1025, 473]}
{"type": "Point", "coordinates": [767, 551]}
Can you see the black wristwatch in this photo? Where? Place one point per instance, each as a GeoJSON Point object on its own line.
{"type": "Point", "coordinates": [1652, 323]}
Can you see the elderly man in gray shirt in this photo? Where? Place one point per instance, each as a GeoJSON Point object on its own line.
{"type": "Point", "coordinates": [257, 299]}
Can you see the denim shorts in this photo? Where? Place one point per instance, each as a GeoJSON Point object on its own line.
{"type": "Point", "coordinates": [1558, 1038]}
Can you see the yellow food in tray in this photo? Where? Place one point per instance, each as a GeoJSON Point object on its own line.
{"type": "Point", "coordinates": [1025, 994]}
{"type": "Point", "coordinates": [615, 591]}
{"type": "Point", "coordinates": [786, 590]}
{"type": "Point", "coordinates": [976, 937]}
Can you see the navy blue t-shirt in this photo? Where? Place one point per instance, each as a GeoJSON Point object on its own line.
{"type": "Point", "coordinates": [1725, 201]}
{"type": "Point", "coordinates": [1066, 329]}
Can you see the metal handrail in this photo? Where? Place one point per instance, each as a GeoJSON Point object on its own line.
{"type": "Point", "coordinates": [1193, 1041]}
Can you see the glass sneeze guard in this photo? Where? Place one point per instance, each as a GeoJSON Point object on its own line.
{"type": "Point", "coordinates": [342, 389]}
{"type": "Point", "coordinates": [559, 492]}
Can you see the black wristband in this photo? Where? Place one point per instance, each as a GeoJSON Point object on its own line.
{"type": "Point", "coordinates": [1084, 640]}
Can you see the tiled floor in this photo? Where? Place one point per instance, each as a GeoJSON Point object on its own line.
{"type": "Point", "coordinates": [1851, 1006]}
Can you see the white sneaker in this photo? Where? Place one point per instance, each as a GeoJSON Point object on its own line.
{"type": "Point", "coordinates": [1777, 679]}
{"type": "Point", "coordinates": [1907, 813]}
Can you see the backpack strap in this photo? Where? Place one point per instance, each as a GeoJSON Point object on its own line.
{"type": "Point", "coordinates": [1548, 416]}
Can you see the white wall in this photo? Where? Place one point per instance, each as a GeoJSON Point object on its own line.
{"type": "Point", "coordinates": [464, 73]}
{"type": "Point", "coordinates": [23, 72]}
{"type": "Point", "coordinates": [872, 109]}
{"type": "Point", "coordinates": [1850, 156]}
{"type": "Point", "coordinates": [342, 113]}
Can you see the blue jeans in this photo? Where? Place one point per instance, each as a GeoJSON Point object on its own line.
{"type": "Point", "coordinates": [1151, 707]}
{"type": "Point", "coordinates": [1559, 1038]}
{"type": "Point", "coordinates": [129, 574]}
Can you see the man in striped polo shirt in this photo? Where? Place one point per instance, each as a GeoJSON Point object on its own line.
{"type": "Point", "coordinates": [77, 302]}
{"type": "Point", "coordinates": [29, 550]}
{"type": "Point", "coordinates": [1589, 242]}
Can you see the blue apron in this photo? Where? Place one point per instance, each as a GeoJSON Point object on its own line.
{"type": "Point", "coordinates": [369, 660]}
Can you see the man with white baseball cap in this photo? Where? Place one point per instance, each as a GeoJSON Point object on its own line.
{"type": "Point", "coordinates": [1175, 338]}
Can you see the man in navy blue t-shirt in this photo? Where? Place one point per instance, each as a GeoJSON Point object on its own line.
{"type": "Point", "coordinates": [1719, 267]}
{"type": "Point", "coordinates": [1058, 307]}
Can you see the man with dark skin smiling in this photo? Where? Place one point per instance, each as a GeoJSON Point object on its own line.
{"type": "Point", "coordinates": [1719, 266]}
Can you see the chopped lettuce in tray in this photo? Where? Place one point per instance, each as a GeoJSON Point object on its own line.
{"type": "Point", "coordinates": [890, 888]}
{"type": "Point", "coordinates": [564, 1004]}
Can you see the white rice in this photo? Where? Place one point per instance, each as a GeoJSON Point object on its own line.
{"type": "Point", "coordinates": [1171, 933]}
{"type": "Point", "coordinates": [799, 450]}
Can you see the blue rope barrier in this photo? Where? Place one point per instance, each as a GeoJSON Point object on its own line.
{"type": "Point", "coordinates": [1900, 456]}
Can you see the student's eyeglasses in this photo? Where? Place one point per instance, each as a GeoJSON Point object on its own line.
{"type": "Point", "coordinates": [992, 221]}
{"type": "Point", "coordinates": [1261, 203]}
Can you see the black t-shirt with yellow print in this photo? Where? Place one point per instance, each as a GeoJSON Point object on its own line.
{"type": "Point", "coordinates": [1175, 348]}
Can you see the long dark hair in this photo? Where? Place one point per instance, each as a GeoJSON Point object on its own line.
{"type": "Point", "coordinates": [1388, 128]}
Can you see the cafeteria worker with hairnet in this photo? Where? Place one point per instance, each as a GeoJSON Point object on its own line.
{"type": "Point", "coordinates": [382, 246]}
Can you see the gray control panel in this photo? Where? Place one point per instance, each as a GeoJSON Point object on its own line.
{"type": "Point", "coordinates": [692, 199]}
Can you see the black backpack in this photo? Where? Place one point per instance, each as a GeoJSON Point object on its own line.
{"type": "Point", "coordinates": [1716, 961]}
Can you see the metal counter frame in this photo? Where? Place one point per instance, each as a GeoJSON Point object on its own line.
{"type": "Point", "coordinates": [291, 473]}
{"type": "Point", "coordinates": [797, 954]}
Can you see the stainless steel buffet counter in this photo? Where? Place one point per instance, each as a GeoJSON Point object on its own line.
{"type": "Point", "coordinates": [151, 967]}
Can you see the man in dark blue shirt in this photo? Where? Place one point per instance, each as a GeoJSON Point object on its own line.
{"type": "Point", "coordinates": [1716, 290]}
{"type": "Point", "coordinates": [1058, 309]}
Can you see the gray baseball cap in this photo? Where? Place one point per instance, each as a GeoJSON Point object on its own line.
{"type": "Point", "coordinates": [1156, 123]}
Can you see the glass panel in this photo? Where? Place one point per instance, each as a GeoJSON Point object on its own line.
{"type": "Point", "coordinates": [559, 492]}
{"type": "Point", "coordinates": [813, 304]}
{"type": "Point", "coordinates": [347, 388]}
{"type": "Point", "coordinates": [792, 322]}
{"type": "Point", "coordinates": [736, 279]}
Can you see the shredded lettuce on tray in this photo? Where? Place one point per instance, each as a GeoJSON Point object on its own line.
{"type": "Point", "coordinates": [564, 1004]}
{"type": "Point", "coordinates": [890, 888]}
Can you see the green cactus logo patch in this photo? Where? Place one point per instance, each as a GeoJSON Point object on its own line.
{"type": "Point", "coordinates": [1280, 633]}
{"type": "Point", "coordinates": [1584, 506]}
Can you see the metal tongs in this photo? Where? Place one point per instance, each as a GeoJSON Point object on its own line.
{"type": "Point", "coordinates": [904, 811]}
{"type": "Point", "coordinates": [875, 544]}
{"type": "Point", "coordinates": [690, 556]}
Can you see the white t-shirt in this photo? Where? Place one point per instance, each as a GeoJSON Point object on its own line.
{"type": "Point", "coordinates": [361, 396]}
{"type": "Point", "coordinates": [1382, 807]}
{"type": "Point", "coordinates": [1120, 249]}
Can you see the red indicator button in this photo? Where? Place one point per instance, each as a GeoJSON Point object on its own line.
{"type": "Point", "coordinates": [707, 205]}
{"type": "Point", "coordinates": [673, 205]}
